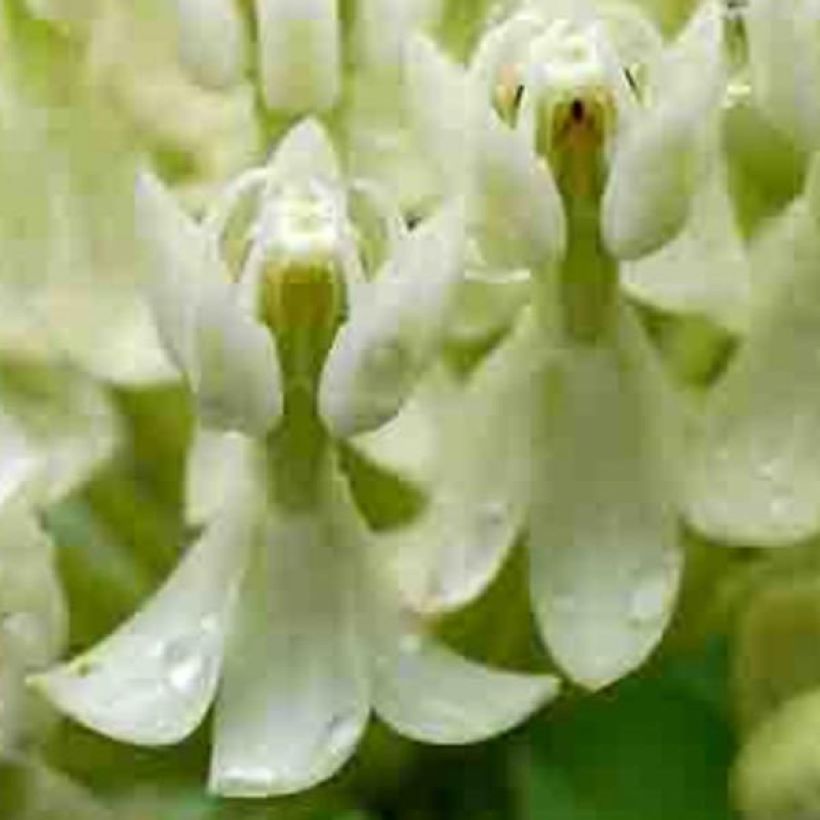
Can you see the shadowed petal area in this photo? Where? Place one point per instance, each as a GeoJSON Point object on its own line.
{"type": "Point", "coordinates": [294, 701]}
{"type": "Point", "coordinates": [754, 476]}
{"type": "Point", "coordinates": [604, 557]}
{"type": "Point", "coordinates": [153, 679]}
{"type": "Point", "coordinates": [481, 491]}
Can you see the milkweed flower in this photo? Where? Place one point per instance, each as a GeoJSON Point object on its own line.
{"type": "Point", "coordinates": [579, 430]}
{"type": "Point", "coordinates": [282, 610]}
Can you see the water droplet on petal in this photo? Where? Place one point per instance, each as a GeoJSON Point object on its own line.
{"type": "Point", "coordinates": [341, 733]}
{"type": "Point", "coordinates": [650, 598]}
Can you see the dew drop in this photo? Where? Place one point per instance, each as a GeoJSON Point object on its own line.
{"type": "Point", "coordinates": [649, 599]}
{"type": "Point", "coordinates": [341, 733]}
{"type": "Point", "coordinates": [188, 659]}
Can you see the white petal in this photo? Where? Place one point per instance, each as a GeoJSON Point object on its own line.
{"type": "Point", "coordinates": [229, 358]}
{"type": "Point", "coordinates": [152, 680]}
{"type": "Point", "coordinates": [514, 209]}
{"type": "Point", "coordinates": [212, 41]}
{"type": "Point", "coordinates": [604, 552]}
{"type": "Point", "coordinates": [428, 693]}
{"type": "Point", "coordinates": [299, 54]}
{"type": "Point", "coordinates": [295, 699]}
{"type": "Point", "coordinates": [655, 167]}
{"type": "Point", "coordinates": [480, 496]}
{"type": "Point", "coordinates": [379, 354]}
{"type": "Point", "coordinates": [306, 152]}
{"type": "Point", "coordinates": [704, 271]}
{"type": "Point", "coordinates": [754, 475]}
{"type": "Point", "coordinates": [237, 379]}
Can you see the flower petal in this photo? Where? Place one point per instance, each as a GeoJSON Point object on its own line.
{"type": "Point", "coordinates": [295, 699]}
{"type": "Point", "coordinates": [604, 555]}
{"type": "Point", "coordinates": [212, 41]}
{"type": "Point", "coordinates": [299, 54]}
{"type": "Point", "coordinates": [428, 693]}
{"type": "Point", "coordinates": [379, 354]}
{"type": "Point", "coordinates": [481, 493]}
{"type": "Point", "coordinates": [754, 475]}
{"type": "Point", "coordinates": [306, 152]}
{"type": "Point", "coordinates": [704, 271]}
{"type": "Point", "coordinates": [229, 358]}
{"type": "Point", "coordinates": [152, 680]}
{"type": "Point", "coordinates": [654, 170]}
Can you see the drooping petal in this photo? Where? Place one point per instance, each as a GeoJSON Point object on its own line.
{"type": "Point", "coordinates": [229, 358]}
{"type": "Point", "coordinates": [480, 495]}
{"type": "Point", "coordinates": [704, 271]}
{"type": "Point", "coordinates": [152, 680]}
{"type": "Point", "coordinates": [382, 350]}
{"type": "Point", "coordinates": [429, 693]}
{"type": "Point", "coordinates": [299, 54]}
{"type": "Point", "coordinates": [295, 698]}
{"type": "Point", "coordinates": [212, 41]}
{"type": "Point", "coordinates": [655, 167]}
{"type": "Point", "coordinates": [604, 558]}
{"type": "Point", "coordinates": [754, 476]}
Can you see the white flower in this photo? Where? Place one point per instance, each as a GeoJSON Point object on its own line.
{"type": "Point", "coordinates": [568, 427]}
{"type": "Point", "coordinates": [280, 605]}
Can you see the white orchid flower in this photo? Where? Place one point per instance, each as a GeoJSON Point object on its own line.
{"type": "Point", "coordinates": [578, 429]}
{"type": "Point", "coordinates": [278, 611]}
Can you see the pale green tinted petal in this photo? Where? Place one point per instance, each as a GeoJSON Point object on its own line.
{"type": "Point", "coordinates": [478, 499]}
{"type": "Point", "coordinates": [299, 54]}
{"type": "Point", "coordinates": [754, 475]}
{"type": "Point", "coordinates": [704, 271]}
{"type": "Point", "coordinates": [383, 349]}
{"type": "Point", "coordinates": [19, 459]}
{"type": "Point", "coordinates": [604, 552]}
{"type": "Point", "coordinates": [306, 152]}
{"type": "Point", "coordinates": [228, 357]}
{"type": "Point", "coordinates": [784, 65]}
{"type": "Point", "coordinates": [295, 699]}
{"type": "Point", "coordinates": [152, 680]}
{"type": "Point", "coordinates": [212, 41]}
{"type": "Point", "coordinates": [654, 170]}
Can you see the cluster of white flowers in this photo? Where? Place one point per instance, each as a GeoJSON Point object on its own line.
{"type": "Point", "coordinates": [552, 191]}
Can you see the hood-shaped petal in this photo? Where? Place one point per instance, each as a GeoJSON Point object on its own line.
{"type": "Point", "coordinates": [295, 698]}
{"type": "Point", "coordinates": [394, 334]}
{"type": "Point", "coordinates": [212, 41]}
{"type": "Point", "coordinates": [480, 494]}
{"type": "Point", "coordinates": [230, 359]}
{"type": "Point", "coordinates": [604, 554]}
{"type": "Point", "coordinates": [299, 54]}
{"type": "Point", "coordinates": [704, 271]}
{"type": "Point", "coordinates": [754, 475]}
{"type": "Point", "coordinates": [514, 210]}
{"type": "Point", "coordinates": [306, 152]}
{"type": "Point", "coordinates": [152, 680]}
{"type": "Point", "coordinates": [655, 166]}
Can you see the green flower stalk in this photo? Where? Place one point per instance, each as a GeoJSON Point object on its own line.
{"type": "Point", "coordinates": [282, 610]}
